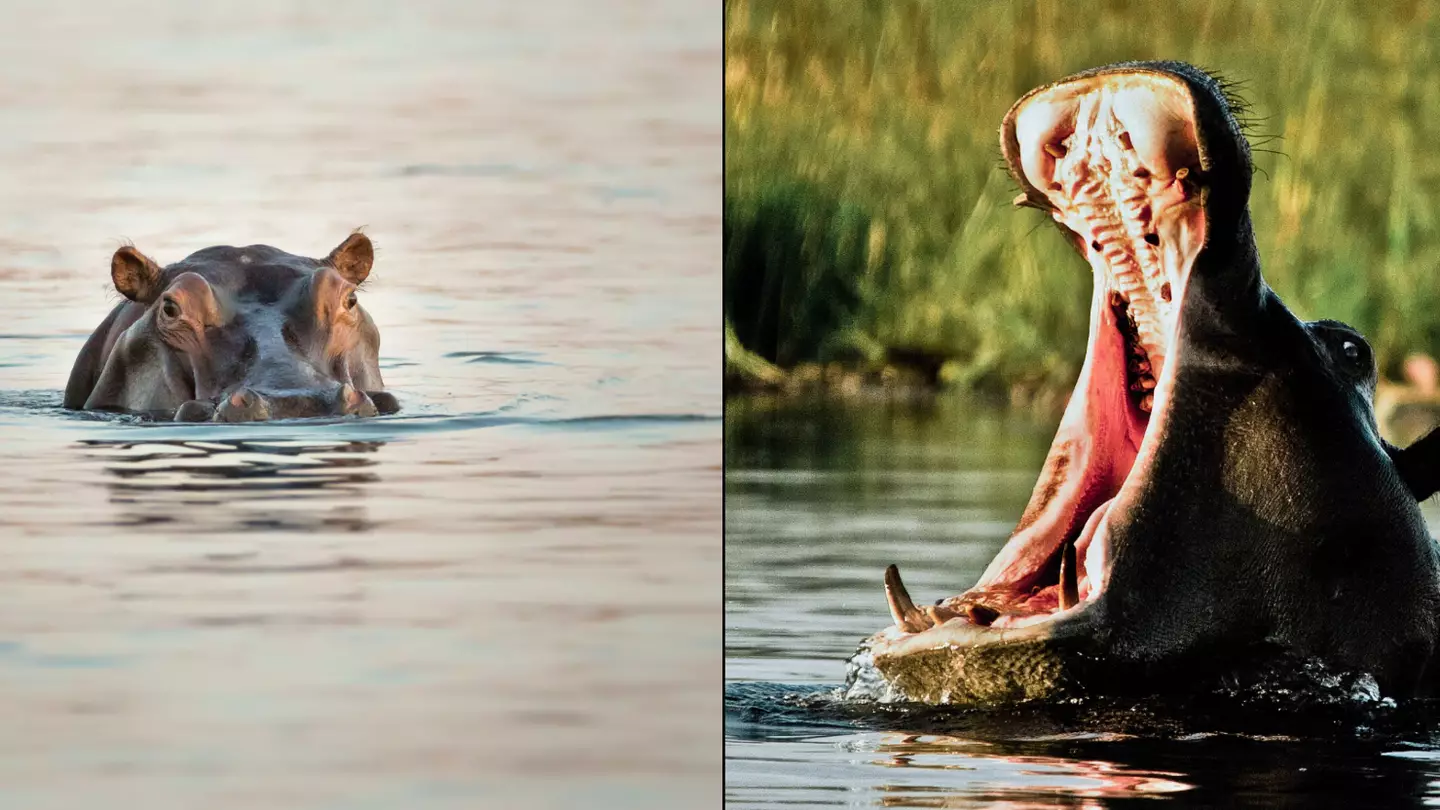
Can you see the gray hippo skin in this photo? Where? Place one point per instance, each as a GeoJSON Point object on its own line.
{"type": "Point", "coordinates": [236, 334]}
{"type": "Point", "coordinates": [1217, 494]}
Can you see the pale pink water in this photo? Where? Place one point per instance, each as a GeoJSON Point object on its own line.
{"type": "Point", "coordinates": [509, 594]}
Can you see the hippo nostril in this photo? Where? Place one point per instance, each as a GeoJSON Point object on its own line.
{"type": "Point", "coordinates": [244, 405]}
{"type": "Point", "coordinates": [355, 402]}
{"type": "Point", "coordinates": [385, 402]}
{"type": "Point", "coordinates": [194, 411]}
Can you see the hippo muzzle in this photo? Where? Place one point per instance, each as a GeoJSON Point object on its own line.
{"type": "Point", "coordinates": [249, 405]}
{"type": "Point", "coordinates": [236, 335]}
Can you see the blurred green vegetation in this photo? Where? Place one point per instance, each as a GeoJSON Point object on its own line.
{"type": "Point", "coordinates": [867, 210]}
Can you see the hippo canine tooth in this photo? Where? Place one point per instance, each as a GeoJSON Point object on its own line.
{"type": "Point", "coordinates": [1069, 585]}
{"type": "Point", "coordinates": [907, 617]}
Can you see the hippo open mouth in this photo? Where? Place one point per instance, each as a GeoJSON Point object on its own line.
{"type": "Point", "coordinates": [1217, 492]}
{"type": "Point", "coordinates": [1116, 159]}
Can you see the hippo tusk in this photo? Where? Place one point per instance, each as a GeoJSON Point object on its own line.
{"type": "Point", "coordinates": [1069, 586]}
{"type": "Point", "coordinates": [907, 617]}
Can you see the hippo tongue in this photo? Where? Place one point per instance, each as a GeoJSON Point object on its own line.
{"type": "Point", "coordinates": [1093, 452]}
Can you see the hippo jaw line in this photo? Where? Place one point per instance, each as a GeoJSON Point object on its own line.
{"type": "Point", "coordinates": [1116, 157]}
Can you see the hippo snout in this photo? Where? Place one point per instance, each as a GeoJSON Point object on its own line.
{"type": "Point", "coordinates": [249, 405]}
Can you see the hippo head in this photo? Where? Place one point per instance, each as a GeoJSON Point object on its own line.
{"type": "Point", "coordinates": [1217, 492]}
{"type": "Point", "coordinates": [235, 334]}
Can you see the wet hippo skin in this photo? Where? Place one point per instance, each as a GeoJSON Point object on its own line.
{"type": "Point", "coordinates": [236, 334]}
{"type": "Point", "coordinates": [1217, 497]}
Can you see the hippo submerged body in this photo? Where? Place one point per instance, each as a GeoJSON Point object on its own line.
{"type": "Point", "coordinates": [1217, 494]}
{"type": "Point", "coordinates": [235, 334]}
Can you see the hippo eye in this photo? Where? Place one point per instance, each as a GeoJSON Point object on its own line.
{"type": "Point", "coordinates": [351, 300]}
{"type": "Point", "coordinates": [171, 308]}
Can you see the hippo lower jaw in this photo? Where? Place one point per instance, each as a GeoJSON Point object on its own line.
{"type": "Point", "coordinates": [1115, 159]}
{"type": "Point", "coordinates": [964, 662]}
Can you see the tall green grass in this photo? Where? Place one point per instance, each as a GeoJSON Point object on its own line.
{"type": "Point", "coordinates": [866, 203]}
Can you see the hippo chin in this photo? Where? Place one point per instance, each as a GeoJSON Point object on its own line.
{"type": "Point", "coordinates": [236, 335]}
{"type": "Point", "coordinates": [1218, 493]}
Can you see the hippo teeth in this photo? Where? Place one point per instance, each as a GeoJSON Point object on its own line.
{"type": "Point", "coordinates": [1115, 158]}
{"type": "Point", "coordinates": [1069, 584]}
{"type": "Point", "coordinates": [907, 616]}
{"type": "Point", "coordinates": [911, 619]}
{"type": "Point", "coordinates": [1139, 372]}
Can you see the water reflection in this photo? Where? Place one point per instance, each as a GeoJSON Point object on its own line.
{"type": "Point", "coordinates": [866, 435]}
{"type": "Point", "coordinates": [1008, 774]}
{"type": "Point", "coordinates": [254, 485]}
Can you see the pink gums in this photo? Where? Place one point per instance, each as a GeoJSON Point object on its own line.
{"type": "Point", "coordinates": [1094, 450]}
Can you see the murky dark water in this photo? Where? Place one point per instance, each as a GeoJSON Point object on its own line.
{"type": "Point", "coordinates": [507, 594]}
{"type": "Point", "coordinates": [820, 497]}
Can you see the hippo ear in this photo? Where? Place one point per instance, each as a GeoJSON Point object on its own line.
{"type": "Point", "coordinates": [353, 258]}
{"type": "Point", "coordinates": [1419, 464]}
{"type": "Point", "coordinates": [135, 275]}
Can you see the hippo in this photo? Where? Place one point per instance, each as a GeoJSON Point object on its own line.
{"type": "Point", "coordinates": [236, 334]}
{"type": "Point", "coordinates": [1217, 497]}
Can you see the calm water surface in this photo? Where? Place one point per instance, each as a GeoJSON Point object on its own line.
{"type": "Point", "coordinates": [506, 595]}
{"type": "Point", "coordinates": [821, 497]}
